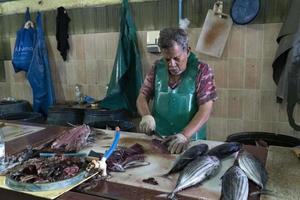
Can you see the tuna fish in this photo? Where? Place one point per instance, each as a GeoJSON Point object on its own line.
{"type": "Point", "coordinates": [72, 140]}
{"type": "Point", "coordinates": [196, 172]}
{"type": "Point", "coordinates": [253, 168]}
{"type": "Point", "coordinates": [224, 150]}
{"type": "Point", "coordinates": [188, 156]}
{"type": "Point", "coordinates": [235, 184]}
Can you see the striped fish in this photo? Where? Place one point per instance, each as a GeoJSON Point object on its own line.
{"type": "Point", "coordinates": [235, 184]}
{"type": "Point", "coordinates": [253, 168]}
{"type": "Point", "coordinates": [188, 156]}
{"type": "Point", "coordinates": [195, 172]}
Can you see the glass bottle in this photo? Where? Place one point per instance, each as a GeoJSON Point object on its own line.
{"type": "Point", "coordinates": [2, 150]}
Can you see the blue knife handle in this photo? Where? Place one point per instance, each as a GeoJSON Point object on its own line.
{"type": "Point", "coordinates": [113, 146]}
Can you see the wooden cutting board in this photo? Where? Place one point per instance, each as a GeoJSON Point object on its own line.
{"type": "Point", "coordinates": [160, 164]}
{"type": "Point", "coordinates": [284, 174]}
{"type": "Point", "coordinates": [214, 34]}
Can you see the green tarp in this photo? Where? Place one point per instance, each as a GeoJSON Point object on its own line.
{"type": "Point", "coordinates": [126, 77]}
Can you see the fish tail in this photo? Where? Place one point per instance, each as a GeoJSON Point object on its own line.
{"type": "Point", "coordinates": [172, 196]}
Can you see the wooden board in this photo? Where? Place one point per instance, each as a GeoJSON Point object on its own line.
{"type": "Point", "coordinates": [12, 131]}
{"type": "Point", "coordinates": [160, 164]}
{"type": "Point", "coordinates": [284, 174]}
{"type": "Point", "coordinates": [214, 34]}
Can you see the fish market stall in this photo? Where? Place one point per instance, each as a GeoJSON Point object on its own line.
{"type": "Point", "coordinates": [143, 182]}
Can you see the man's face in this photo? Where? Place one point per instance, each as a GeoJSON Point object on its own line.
{"type": "Point", "coordinates": [176, 59]}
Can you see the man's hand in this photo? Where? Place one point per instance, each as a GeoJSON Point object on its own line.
{"type": "Point", "coordinates": [176, 143]}
{"type": "Point", "coordinates": [147, 125]}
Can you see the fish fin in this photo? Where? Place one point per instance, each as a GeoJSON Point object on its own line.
{"type": "Point", "coordinates": [263, 191]}
{"type": "Point", "coordinates": [164, 195]}
{"type": "Point", "coordinates": [167, 176]}
{"type": "Point", "coordinates": [135, 164]}
{"type": "Point", "coordinates": [187, 158]}
{"type": "Point", "coordinates": [164, 175]}
{"type": "Point", "coordinates": [171, 196]}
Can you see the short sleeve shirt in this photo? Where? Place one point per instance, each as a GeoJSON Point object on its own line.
{"type": "Point", "coordinates": [205, 84]}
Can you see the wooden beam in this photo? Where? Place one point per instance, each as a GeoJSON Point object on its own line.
{"type": "Point", "coordinates": [15, 7]}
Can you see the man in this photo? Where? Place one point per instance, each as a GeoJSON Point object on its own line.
{"type": "Point", "coordinates": [182, 89]}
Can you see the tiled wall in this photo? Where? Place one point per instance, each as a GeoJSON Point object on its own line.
{"type": "Point", "coordinates": [243, 75]}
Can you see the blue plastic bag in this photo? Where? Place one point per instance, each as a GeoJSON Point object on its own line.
{"type": "Point", "coordinates": [24, 46]}
{"type": "Point", "coordinates": [39, 74]}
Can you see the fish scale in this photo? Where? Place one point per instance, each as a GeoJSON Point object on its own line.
{"type": "Point", "coordinates": [235, 185]}
{"type": "Point", "coordinates": [196, 172]}
{"type": "Point", "coordinates": [253, 168]}
{"type": "Point", "coordinates": [188, 156]}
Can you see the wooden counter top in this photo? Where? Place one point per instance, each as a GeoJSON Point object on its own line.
{"type": "Point", "coordinates": [115, 188]}
{"type": "Point", "coordinates": [35, 139]}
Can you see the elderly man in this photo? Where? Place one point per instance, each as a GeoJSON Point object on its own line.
{"type": "Point", "coordinates": [182, 89]}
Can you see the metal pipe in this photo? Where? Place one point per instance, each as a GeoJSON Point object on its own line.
{"type": "Point", "coordinates": [179, 10]}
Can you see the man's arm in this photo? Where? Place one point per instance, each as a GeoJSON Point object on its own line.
{"type": "Point", "coordinates": [147, 124]}
{"type": "Point", "coordinates": [199, 119]}
{"type": "Point", "coordinates": [206, 95]}
{"type": "Point", "coordinates": [142, 105]}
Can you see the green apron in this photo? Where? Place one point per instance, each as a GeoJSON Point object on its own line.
{"type": "Point", "coordinates": [174, 108]}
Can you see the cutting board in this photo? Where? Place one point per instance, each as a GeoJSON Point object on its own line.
{"type": "Point", "coordinates": [214, 34]}
{"type": "Point", "coordinates": [160, 164]}
{"type": "Point", "coordinates": [284, 174]}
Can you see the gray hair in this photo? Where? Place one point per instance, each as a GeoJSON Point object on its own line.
{"type": "Point", "coordinates": [168, 36]}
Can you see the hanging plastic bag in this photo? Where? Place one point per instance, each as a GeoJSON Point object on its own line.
{"type": "Point", "coordinates": [126, 78]}
{"type": "Point", "coordinates": [24, 45]}
{"type": "Point", "coordinates": [39, 74]}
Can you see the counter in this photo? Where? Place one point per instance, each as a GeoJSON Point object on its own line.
{"type": "Point", "coordinates": [128, 185]}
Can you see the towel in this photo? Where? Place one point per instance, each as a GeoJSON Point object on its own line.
{"type": "Point", "coordinates": [62, 27]}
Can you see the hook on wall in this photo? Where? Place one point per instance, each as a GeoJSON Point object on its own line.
{"type": "Point", "coordinates": [40, 2]}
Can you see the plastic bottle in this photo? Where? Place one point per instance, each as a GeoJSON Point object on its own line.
{"type": "Point", "coordinates": [78, 94]}
{"type": "Point", "coordinates": [2, 150]}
